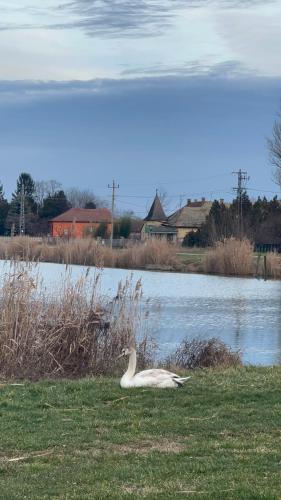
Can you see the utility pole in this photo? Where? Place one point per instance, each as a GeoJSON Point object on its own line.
{"type": "Point", "coordinates": [22, 211]}
{"type": "Point", "coordinates": [242, 178]}
{"type": "Point", "coordinates": [113, 187]}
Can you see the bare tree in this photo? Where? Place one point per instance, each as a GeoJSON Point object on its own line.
{"type": "Point", "coordinates": [79, 198]}
{"type": "Point", "coordinates": [164, 198]}
{"type": "Point", "coordinates": [44, 189]}
{"type": "Point", "coordinates": [274, 146]}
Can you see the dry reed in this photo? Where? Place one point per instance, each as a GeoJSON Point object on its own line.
{"type": "Point", "coordinates": [230, 257]}
{"type": "Point", "coordinates": [273, 265]}
{"type": "Point", "coordinates": [198, 353]}
{"type": "Point", "coordinates": [89, 252]}
{"type": "Point", "coordinates": [73, 333]}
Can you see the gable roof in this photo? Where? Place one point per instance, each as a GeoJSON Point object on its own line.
{"type": "Point", "coordinates": [156, 212]}
{"type": "Point", "coordinates": [194, 214]}
{"type": "Point", "coordinates": [84, 215]}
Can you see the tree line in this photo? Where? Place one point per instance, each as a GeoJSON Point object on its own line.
{"type": "Point", "coordinates": [260, 222]}
{"type": "Point", "coordinates": [44, 200]}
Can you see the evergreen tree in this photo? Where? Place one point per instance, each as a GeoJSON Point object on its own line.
{"type": "Point", "coordinates": [54, 205]}
{"type": "Point", "coordinates": [101, 231]}
{"type": "Point", "coordinates": [4, 209]}
{"type": "Point", "coordinates": [26, 182]}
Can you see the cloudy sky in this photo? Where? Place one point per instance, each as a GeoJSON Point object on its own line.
{"type": "Point", "coordinates": [167, 94]}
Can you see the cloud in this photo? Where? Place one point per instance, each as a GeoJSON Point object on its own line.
{"type": "Point", "coordinates": [16, 92]}
{"type": "Point", "coordinates": [116, 18]}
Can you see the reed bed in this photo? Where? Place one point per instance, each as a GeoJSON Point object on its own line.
{"type": "Point", "coordinates": [230, 257]}
{"type": "Point", "coordinates": [72, 333]}
{"type": "Point", "coordinates": [89, 252]}
{"type": "Point", "coordinates": [273, 265]}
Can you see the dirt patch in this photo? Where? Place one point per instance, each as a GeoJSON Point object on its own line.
{"type": "Point", "coordinates": [143, 448]}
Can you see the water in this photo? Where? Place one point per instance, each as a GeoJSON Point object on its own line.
{"type": "Point", "coordinates": [244, 313]}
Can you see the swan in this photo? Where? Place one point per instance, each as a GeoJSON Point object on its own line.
{"type": "Point", "coordinates": [148, 378]}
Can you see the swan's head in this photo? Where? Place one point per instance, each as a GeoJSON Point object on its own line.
{"type": "Point", "coordinates": [126, 352]}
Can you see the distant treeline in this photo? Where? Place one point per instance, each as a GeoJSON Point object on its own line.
{"type": "Point", "coordinates": [260, 222]}
{"type": "Point", "coordinates": [44, 200]}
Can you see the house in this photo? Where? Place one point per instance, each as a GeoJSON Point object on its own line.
{"type": "Point", "coordinates": [153, 224]}
{"type": "Point", "coordinates": [80, 222]}
{"type": "Point", "coordinates": [189, 218]}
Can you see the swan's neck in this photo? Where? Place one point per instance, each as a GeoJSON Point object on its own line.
{"type": "Point", "coordinates": [132, 365]}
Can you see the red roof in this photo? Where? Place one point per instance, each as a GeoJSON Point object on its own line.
{"type": "Point", "coordinates": [84, 215]}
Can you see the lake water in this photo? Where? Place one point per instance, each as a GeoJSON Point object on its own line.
{"type": "Point", "coordinates": [244, 313]}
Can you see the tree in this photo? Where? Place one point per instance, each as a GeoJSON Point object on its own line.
{"type": "Point", "coordinates": [4, 209]}
{"type": "Point", "coordinates": [82, 198]}
{"type": "Point", "coordinates": [26, 182]}
{"type": "Point", "coordinates": [274, 146]}
{"type": "Point", "coordinates": [43, 189]}
{"type": "Point", "coordinates": [125, 225]}
{"type": "Point", "coordinates": [101, 231]}
{"type": "Point", "coordinates": [54, 205]}
{"type": "Point", "coordinates": [90, 204]}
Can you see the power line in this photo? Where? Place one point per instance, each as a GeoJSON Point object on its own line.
{"type": "Point", "coordinates": [22, 211]}
{"type": "Point", "coordinates": [242, 178]}
{"type": "Point", "coordinates": [113, 187]}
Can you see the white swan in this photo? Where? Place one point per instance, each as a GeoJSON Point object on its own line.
{"type": "Point", "coordinates": [148, 378]}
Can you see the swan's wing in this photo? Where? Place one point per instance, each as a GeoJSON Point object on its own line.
{"type": "Point", "coordinates": [158, 377]}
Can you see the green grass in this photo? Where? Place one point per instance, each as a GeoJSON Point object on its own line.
{"type": "Point", "coordinates": [217, 438]}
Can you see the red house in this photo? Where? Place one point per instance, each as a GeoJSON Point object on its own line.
{"type": "Point", "coordinates": [80, 222]}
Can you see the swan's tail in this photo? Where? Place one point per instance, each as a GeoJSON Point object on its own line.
{"type": "Point", "coordinates": [181, 380]}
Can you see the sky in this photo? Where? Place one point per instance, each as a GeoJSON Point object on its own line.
{"type": "Point", "coordinates": [173, 95]}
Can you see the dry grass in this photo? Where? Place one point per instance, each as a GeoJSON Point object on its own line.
{"type": "Point", "coordinates": [230, 257]}
{"type": "Point", "coordinates": [89, 252]}
{"type": "Point", "coordinates": [73, 333]}
{"type": "Point", "coordinates": [197, 353]}
{"type": "Point", "coordinates": [273, 265]}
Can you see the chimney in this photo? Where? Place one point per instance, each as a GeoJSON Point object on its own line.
{"type": "Point", "coordinates": [195, 200]}
{"type": "Point", "coordinates": [188, 201]}
{"type": "Point", "coordinates": [203, 199]}
{"type": "Point", "coordinates": [221, 200]}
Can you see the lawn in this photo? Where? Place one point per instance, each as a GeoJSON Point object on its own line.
{"type": "Point", "coordinates": [218, 437]}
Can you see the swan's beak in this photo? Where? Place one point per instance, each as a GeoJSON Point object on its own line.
{"type": "Point", "coordinates": [120, 356]}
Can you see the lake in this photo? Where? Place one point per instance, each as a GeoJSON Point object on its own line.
{"type": "Point", "coordinates": [243, 312]}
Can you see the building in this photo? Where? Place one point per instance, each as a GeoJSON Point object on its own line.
{"type": "Point", "coordinates": [81, 222]}
{"type": "Point", "coordinates": [189, 218]}
{"type": "Point", "coordinates": [153, 224]}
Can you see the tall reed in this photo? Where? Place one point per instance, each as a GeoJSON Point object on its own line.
{"type": "Point", "coordinates": [89, 252]}
{"type": "Point", "coordinates": [230, 257]}
{"type": "Point", "coordinates": [74, 332]}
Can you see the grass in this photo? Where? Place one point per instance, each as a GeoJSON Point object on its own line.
{"type": "Point", "coordinates": [218, 437]}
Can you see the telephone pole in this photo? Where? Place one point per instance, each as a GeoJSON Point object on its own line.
{"type": "Point", "coordinates": [22, 211]}
{"type": "Point", "coordinates": [113, 187]}
{"type": "Point", "coordinates": [242, 178]}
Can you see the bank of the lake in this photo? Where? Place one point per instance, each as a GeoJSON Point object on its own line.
{"type": "Point", "coordinates": [218, 437]}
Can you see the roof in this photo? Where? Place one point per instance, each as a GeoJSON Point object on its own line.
{"type": "Point", "coordinates": [84, 215]}
{"type": "Point", "coordinates": [194, 214]}
{"type": "Point", "coordinates": [136, 226]}
{"type": "Point", "coordinates": [159, 229]}
{"type": "Point", "coordinates": [156, 212]}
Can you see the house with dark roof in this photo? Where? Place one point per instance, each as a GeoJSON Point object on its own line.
{"type": "Point", "coordinates": [153, 224]}
{"type": "Point", "coordinates": [177, 225]}
{"type": "Point", "coordinates": [80, 222]}
{"type": "Point", "coordinates": [189, 218]}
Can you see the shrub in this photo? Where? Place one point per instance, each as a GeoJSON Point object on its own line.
{"type": "Point", "coordinates": [198, 353]}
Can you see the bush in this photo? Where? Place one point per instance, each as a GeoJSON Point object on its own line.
{"type": "Point", "coordinates": [197, 353]}
{"type": "Point", "coordinates": [230, 257]}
